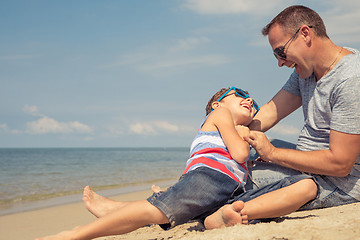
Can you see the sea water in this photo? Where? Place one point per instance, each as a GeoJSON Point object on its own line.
{"type": "Point", "coordinates": [39, 177]}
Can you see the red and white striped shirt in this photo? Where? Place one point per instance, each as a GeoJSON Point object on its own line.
{"type": "Point", "coordinates": [209, 150]}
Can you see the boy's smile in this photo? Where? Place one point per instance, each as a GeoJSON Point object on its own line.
{"type": "Point", "coordinates": [247, 106]}
{"type": "Point", "coordinates": [241, 108]}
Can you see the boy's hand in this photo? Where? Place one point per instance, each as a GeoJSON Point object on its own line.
{"type": "Point", "coordinates": [243, 131]}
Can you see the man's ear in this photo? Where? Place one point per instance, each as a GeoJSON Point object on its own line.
{"type": "Point", "coordinates": [306, 34]}
{"type": "Point", "coordinates": [215, 105]}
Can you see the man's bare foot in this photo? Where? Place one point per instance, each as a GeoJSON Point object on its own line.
{"type": "Point", "coordinates": [227, 216]}
{"type": "Point", "coordinates": [99, 205]}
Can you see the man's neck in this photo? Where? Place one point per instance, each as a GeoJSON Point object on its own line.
{"type": "Point", "coordinates": [326, 56]}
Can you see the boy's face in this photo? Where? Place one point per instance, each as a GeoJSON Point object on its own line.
{"type": "Point", "coordinates": [242, 109]}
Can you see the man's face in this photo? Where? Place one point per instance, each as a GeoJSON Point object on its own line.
{"type": "Point", "coordinates": [294, 50]}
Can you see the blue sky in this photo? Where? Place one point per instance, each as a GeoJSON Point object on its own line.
{"type": "Point", "coordinates": [139, 73]}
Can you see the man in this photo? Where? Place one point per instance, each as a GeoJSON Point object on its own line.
{"type": "Point", "coordinates": [326, 83]}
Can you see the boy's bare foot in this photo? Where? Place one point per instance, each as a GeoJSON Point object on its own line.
{"type": "Point", "coordinates": [227, 216]}
{"type": "Point", "coordinates": [99, 205]}
{"type": "Point", "coordinates": [64, 235]}
{"type": "Point", "coordinates": [156, 189]}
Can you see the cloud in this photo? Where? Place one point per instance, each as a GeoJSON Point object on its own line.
{"type": "Point", "coordinates": [153, 128]}
{"type": "Point", "coordinates": [152, 61]}
{"type": "Point", "coordinates": [46, 124]}
{"type": "Point", "coordinates": [5, 129]}
{"type": "Point", "coordinates": [232, 6]}
{"type": "Point", "coordinates": [16, 57]}
{"type": "Point", "coordinates": [181, 53]}
{"type": "Point", "coordinates": [32, 110]}
{"type": "Point", "coordinates": [166, 126]}
{"type": "Point", "coordinates": [142, 129]}
{"type": "Point", "coordinates": [287, 130]}
{"type": "Point", "coordinates": [188, 43]}
{"type": "Point", "coordinates": [340, 15]}
{"type": "Point", "coordinates": [209, 60]}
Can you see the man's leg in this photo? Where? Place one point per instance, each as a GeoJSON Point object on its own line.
{"type": "Point", "coordinates": [264, 173]}
{"type": "Point", "coordinates": [329, 195]}
{"type": "Point", "coordinates": [283, 201]}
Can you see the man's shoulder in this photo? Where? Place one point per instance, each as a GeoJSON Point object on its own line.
{"type": "Point", "coordinates": [349, 65]}
{"type": "Point", "coordinates": [347, 71]}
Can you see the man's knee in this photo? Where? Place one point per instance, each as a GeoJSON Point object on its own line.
{"type": "Point", "coordinates": [308, 188]}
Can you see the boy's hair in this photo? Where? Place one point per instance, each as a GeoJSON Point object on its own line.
{"type": "Point", "coordinates": [293, 17]}
{"type": "Point", "coordinates": [214, 99]}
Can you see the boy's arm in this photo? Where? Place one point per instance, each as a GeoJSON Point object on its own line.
{"type": "Point", "coordinates": [238, 148]}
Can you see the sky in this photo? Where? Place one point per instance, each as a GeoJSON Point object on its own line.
{"type": "Point", "coordinates": [139, 73]}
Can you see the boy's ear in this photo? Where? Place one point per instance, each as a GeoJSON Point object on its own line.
{"type": "Point", "coordinates": [215, 105]}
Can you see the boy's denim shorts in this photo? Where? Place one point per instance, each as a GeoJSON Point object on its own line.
{"type": "Point", "coordinates": [203, 191]}
{"type": "Point", "coordinates": [196, 195]}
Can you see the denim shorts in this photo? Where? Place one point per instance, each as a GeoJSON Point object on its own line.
{"type": "Point", "coordinates": [196, 195]}
{"type": "Point", "coordinates": [264, 175]}
{"type": "Point", "coordinates": [250, 194]}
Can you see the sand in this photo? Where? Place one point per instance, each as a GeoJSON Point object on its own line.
{"type": "Point", "coordinates": [331, 223]}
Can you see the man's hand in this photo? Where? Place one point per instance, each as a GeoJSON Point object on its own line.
{"type": "Point", "coordinates": [261, 144]}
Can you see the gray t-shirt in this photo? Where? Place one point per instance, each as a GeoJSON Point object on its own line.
{"type": "Point", "coordinates": [333, 102]}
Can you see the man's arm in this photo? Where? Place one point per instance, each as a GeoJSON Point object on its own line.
{"type": "Point", "coordinates": [336, 161]}
{"type": "Point", "coordinates": [280, 106]}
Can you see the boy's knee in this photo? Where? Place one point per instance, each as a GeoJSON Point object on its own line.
{"type": "Point", "coordinates": [155, 214]}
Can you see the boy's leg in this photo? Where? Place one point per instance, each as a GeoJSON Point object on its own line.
{"type": "Point", "coordinates": [126, 219]}
{"type": "Point", "coordinates": [99, 205]}
{"type": "Point", "coordinates": [226, 216]}
{"type": "Point", "coordinates": [272, 204]}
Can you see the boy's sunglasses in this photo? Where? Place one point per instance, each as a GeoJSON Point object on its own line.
{"type": "Point", "coordinates": [279, 52]}
{"type": "Point", "coordinates": [240, 93]}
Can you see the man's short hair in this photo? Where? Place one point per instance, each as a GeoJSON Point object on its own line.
{"type": "Point", "coordinates": [293, 17]}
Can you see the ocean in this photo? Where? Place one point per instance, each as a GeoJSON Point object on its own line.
{"type": "Point", "coordinates": [33, 178]}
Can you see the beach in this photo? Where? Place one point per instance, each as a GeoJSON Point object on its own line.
{"type": "Point", "coordinates": [331, 223]}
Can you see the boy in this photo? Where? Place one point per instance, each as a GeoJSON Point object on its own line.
{"type": "Point", "coordinates": [214, 175]}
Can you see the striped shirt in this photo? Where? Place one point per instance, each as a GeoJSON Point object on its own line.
{"type": "Point", "coordinates": [209, 150]}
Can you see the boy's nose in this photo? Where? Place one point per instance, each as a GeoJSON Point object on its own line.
{"type": "Point", "coordinates": [250, 100]}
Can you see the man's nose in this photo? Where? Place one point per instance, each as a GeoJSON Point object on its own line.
{"type": "Point", "coordinates": [281, 62]}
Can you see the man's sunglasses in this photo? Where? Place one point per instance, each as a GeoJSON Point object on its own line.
{"type": "Point", "coordinates": [279, 52]}
{"type": "Point", "coordinates": [240, 93]}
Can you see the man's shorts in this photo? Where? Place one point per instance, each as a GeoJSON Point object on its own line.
{"type": "Point", "coordinates": [262, 174]}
